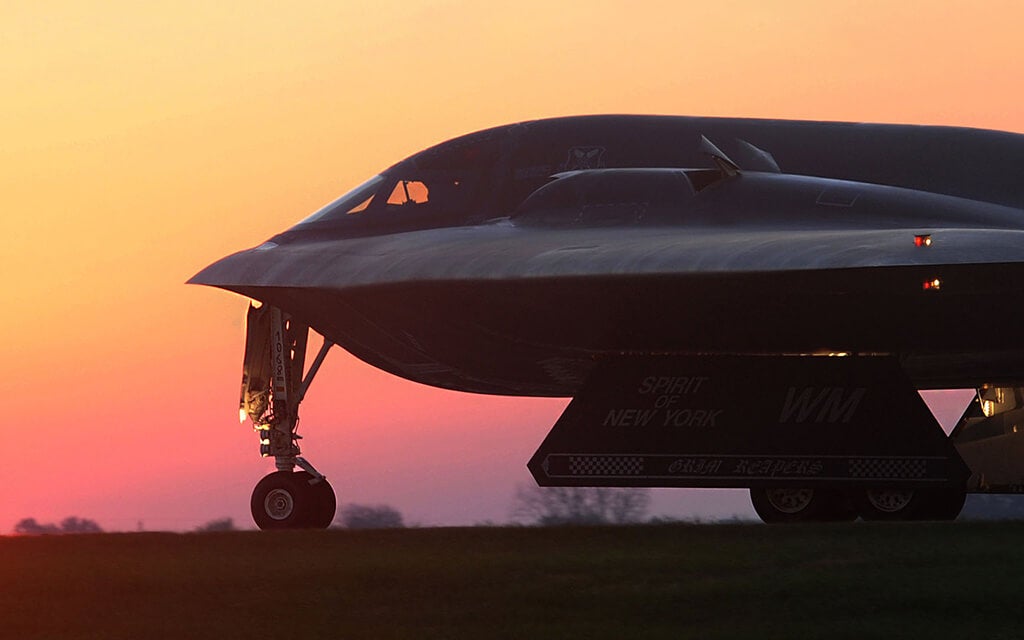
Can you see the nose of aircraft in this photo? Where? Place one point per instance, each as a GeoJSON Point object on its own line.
{"type": "Point", "coordinates": [238, 269]}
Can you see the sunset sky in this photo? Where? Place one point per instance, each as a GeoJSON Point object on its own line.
{"type": "Point", "coordinates": [142, 141]}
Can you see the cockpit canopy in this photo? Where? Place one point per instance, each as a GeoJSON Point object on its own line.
{"type": "Point", "coordinates": [400, 201]}
{"type": "Point", "coordinates": [489, 174]}
{"type": "Point", "coordinates": [609, 196]}
{"type": "Point", "coordinates": [442, 186]}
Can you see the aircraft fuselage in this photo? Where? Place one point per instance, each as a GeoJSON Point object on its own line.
{"type": "Point", "coordinates": [605, 262]}
{"type": "Point", "coordinates": [592, 257]}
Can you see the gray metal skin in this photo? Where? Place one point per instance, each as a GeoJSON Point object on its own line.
{"type": "Point", "coordinates": [642, 246]}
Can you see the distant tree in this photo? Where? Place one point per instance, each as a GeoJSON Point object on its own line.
{"type": "Point", "coordinates": [667, 519]}
{"type": "Point", "coordinates": [29, 526]}
{"type": "Point", "coordinates": [67, 525]}
{"type": "Point", "coordinates": [221, 524]}
{"type": "Point", "coordinates": [79, 525]}
{"type": "Point", "coordinates": [580, 505]}
{"type": "Point", "coordinates": [486, 523]}
{"type": "Point", "coordinates": [364, 516]}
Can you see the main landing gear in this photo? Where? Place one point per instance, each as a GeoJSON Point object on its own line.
{"type": "Point", "coordinates": [272, 388]}
{"type": "Point", "coordinates": [803, 504]}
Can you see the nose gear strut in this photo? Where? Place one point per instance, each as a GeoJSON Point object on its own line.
{"type": "Point", "coordinates": [273, 386]}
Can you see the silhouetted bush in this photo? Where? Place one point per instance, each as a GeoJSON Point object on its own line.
{"type": "Point", "coordinates": [580, 505]}
{"type": "Point", "coordinates": [71, 524]}
{"type": "Point", "coordinates": [79, 525]}
{"type": "Point", "coordinates": [221, 524]}
{"type": "Point", "coordinates": [363, 516]}
{"type": "Point", "coordinates": [31, 527]}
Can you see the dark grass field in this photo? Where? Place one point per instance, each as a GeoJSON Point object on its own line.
{"type": "Point", "coordinates": [961, 580]}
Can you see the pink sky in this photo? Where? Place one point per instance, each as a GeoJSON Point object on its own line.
{"type": "Point", "coordinates": [142, 142]}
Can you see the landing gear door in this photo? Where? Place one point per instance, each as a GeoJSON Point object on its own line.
{"type": "Point", "coordinates": [990, 438]}
{"type": "Point", "coordinates": [256, 367]}
{"type": "Point", "coordinates": [745, 421]}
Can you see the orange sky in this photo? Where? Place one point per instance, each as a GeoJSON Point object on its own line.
{"type": "Point", "coordinates": [142, 141]}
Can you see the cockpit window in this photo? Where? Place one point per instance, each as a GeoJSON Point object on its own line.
{"type": "Point", "coordinates": [409, 192]}
{"type": "Point", "coordinates": [402, 199]}
{"type": "Point", "coordinates": [430, 192]}
{"type": "Point", "coordinates": [361, 207]}
{"type": "Point", "coordinates": [355, 201]}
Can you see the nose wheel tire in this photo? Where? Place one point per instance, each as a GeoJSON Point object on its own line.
{"type": "Point", "coordinates": [801, 504]}
{"type": "Point", "coordinates": [324, 501]}
{"type": "Point", "coordinates": [286, 500]}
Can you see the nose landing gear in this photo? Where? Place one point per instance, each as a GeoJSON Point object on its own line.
{"type": "Point", "coordinates": [272, 388]}
{"type": "Point", "coordinates": [287, 500]}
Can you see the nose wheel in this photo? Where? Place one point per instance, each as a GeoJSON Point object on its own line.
{"type": "Point", "coordinates": [273, 386]}
{"type": "Point", "coordinates": [293, 500]}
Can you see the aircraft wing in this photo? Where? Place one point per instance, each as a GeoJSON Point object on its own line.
{"type": "Point", "coordinates": [502, 251]}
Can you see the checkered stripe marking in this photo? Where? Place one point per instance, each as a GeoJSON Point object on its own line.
{"type": "Point", "coordinates": [606, 465]}
{"type": "Point", "coordinates": [888, 468]}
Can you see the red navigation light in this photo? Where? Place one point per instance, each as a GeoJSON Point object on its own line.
{"type": "Point", "coordinates": [923, 240]}
{"type": "Point", "coordinates": [932, 285]}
